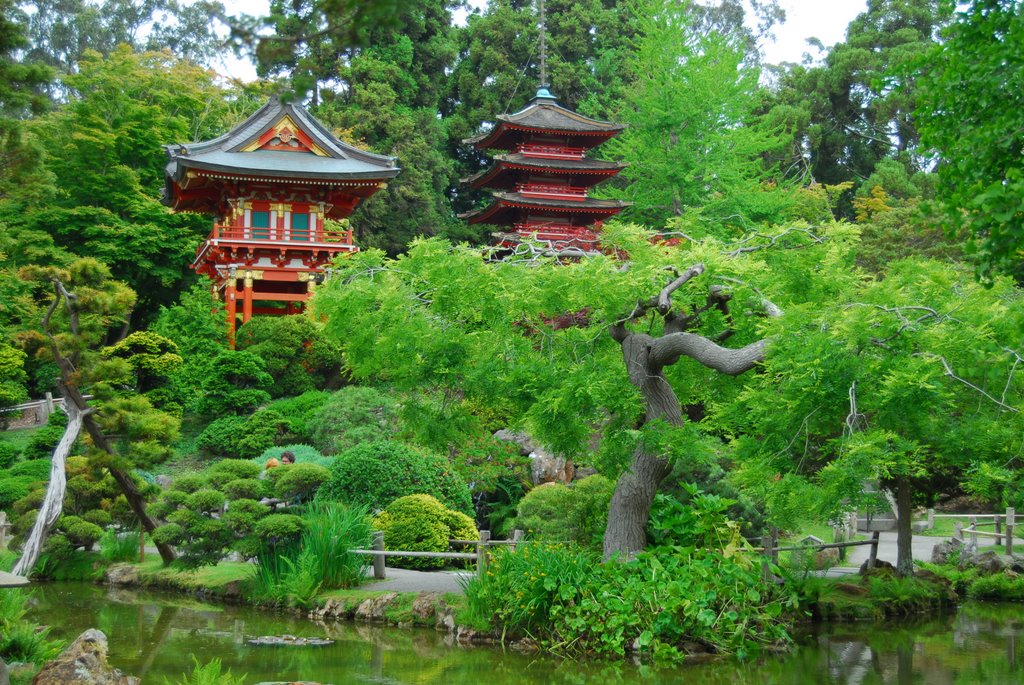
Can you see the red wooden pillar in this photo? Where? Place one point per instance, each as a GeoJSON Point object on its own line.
{"type": "Point", "coordinates": [231, 305]}
{"type": "Point", "coordinates": [247, 299]}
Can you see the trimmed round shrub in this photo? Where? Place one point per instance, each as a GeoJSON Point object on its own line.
{"type": "Point", "coordinates": [205, 501]}
{"type": "Point", "coordinates": [299, 481]}
{"type": "Point", "coordinates": [420, 523]}
{"type": "Point", "coordinates": [188, 483]}
{"type": "Point", "coordinates": [46, 438]}
{"type": "Point", "coordinates": [299, 410]}
{"type": "Point", "coordinates": [98, 517]}
{"type": "Point", "coordinates": [353, 416]}
{"type": "Point", "coordinates": [79, 532]}
{"type": "Point", "coordinates": [8, 454]}
{"type": "Point", "coordinates": [227, 470]}
{"type": "Point", "coordinates": [277, 530]}
{"type": "Point", "coordinates": [12, 490]}
{"type": "Point", "coordinates": [37, 470]}
{"type": "Point", "coordinates": [220, 438]}
{"type": "Point", "coordinates": [245, 488]}
{"type": "Point", "coordinates": [576, 513]}
{"type": "Point", "coordinates": [375, 474]}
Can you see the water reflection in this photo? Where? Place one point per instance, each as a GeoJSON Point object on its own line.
{"type": "Point", "coordinates": [154, 636]}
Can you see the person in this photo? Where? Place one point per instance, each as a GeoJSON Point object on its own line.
{"type": "Point", "coordinates": [287, 458]}
{"type": "Point", "coordinates": [271, 463]}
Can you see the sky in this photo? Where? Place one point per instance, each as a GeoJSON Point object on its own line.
{"type": "Point", "coordinates": [825, 20]}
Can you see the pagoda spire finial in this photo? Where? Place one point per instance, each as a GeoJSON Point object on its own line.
{"type": "Point", "coordinates": [543, 47]}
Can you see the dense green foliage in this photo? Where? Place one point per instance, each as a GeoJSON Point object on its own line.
{"type": "Point", "coordinates": [21, 640]}
{"type": "Point", "coordinates": [375, 474]}
{"type": "Point", "coordinates": [297, 355]}
{"type": "Point", "coordinates": [420, 523]}
{"type": "Point", "coordinates": [352, 416]}
{"type": "Point", "coordinates": [576, 513]}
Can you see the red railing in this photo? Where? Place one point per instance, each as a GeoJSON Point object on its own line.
{"type": "Point", "coordinates": [545, 231]}
{"type": "Point", "coordinates": [280, 235]}
{"type": "Point", "coordinates": [550, 151]}
{"type": "Point", "coordinates": [573, 193]}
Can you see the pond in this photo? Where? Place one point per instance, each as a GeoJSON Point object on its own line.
{"type": "Point", "coordinates": [155, 636]}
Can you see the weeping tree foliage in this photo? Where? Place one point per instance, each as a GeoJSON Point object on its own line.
{"type": "Point", "coordinates": [636, 351]}
{"type": "Point", "coordinates": [912, 381]}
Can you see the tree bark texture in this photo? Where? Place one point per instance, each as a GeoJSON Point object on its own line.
{"type": "Point", "coordinates": [904, 532]}
{"type": "Point", "coordinates": [53, 502]}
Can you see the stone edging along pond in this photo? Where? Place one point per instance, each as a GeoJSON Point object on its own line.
{"type": "Point", "coordinates": [401, 609]}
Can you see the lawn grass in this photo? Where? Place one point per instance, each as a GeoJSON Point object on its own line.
{"type": "Point", "coordinates": [20, 437]}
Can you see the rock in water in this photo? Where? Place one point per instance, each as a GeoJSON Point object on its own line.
{"type": "Point", "coordinates": [84, 663]}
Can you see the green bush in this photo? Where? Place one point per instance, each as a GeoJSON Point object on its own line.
{"type": "Point", "coordinates": [80, 533]}
{"type": "Point", "coordinates": [299, 410]}
{"type": "Point", "coordinates": [373, 475]}
{"type": "Point", "coordinates": [576, 513]}
{"type": "Point", "coordinates": [37, 470]}
{"type": "Point", "coordinates": [236, 383]}
{"type": "Point", "coordinates": [46, 438]}
{"type": "Point", "coordinates": [188, 483]}
{"type": "Point", "coordinates": [98, 517]}
{"type": "Point", "coordinates": [299, 481]}
{"type": "Point", "coordinates": [297, 354]}
{"type": "Point", "coordinates": [206, 501]}
{"type": "Point", "coordinates": [420, 523]}
{"type": "Point", "coordinates": [997, 587]}
{"type": "Point", "coordinates": [322, 560]}
{"type": "Point", "coordinates": [13, 489]}
{"type": "Point", "coordinates": [8, 454]}
{"type": "Point", "coordinates": [223, 472]}
{"type": "Point", "coordinates": [20, 639]}
{"type": "Point", "coordinates": [246, 488]}
{"type": "Point", "coordinates": [652, 604]}
{"type": "Point", "coordinates": [115, 546]}
{"type": "Point", "coordinates": [236, 437]}
{"type": "Point", "coordinates": [353, 416]}
{"type": "Point", "coordinates": [278, 530]}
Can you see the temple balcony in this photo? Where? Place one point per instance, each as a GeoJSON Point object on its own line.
{"type": "Point", "coordinates": [552, 192]}
{"type": "Point", "coordinates": [552, 231]}
{"type": "Point", "coordinates": [274, 237]}
{"type": "Point", "coordinates": [550, 151]}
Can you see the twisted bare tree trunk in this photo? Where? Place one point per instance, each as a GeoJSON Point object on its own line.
{"type": "Point", "coordinates": [53, 503]}
{"type": "Point", "coordinates": [646, 358]}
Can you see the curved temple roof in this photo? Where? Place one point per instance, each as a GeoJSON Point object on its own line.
{"type": "Point", "coordinates": [543, 113]}
{"type": "Point", "coordinates": [250, 150]}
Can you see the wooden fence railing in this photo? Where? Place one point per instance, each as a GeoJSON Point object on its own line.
{"type": "Point", "coordinates": [1004, 524]}
{"type": "Point", "coordinates": [380, 554]}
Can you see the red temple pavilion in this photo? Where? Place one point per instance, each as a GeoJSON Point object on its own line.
{"type": "Point", "coordinates": [540, 183]}
{"type": "Point", "coordinates": [271, 184]}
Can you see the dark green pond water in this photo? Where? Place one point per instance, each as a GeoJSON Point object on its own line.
{"type": "Point", "coordinates": [155, 636]}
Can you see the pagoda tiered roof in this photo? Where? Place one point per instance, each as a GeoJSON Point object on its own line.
{"type": "Point", "coordinates": [543, 115]}
{"type": "Point", "coordinates": [280, 143]}
{"type": "Point", "coordinates": [507, 169]}
{"type": "Point", "coordinates": [506, 207]}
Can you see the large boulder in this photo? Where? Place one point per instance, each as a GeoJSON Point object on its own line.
{"type": "Point", "coordinates": [545, 467]}
{"type": "Point", "coordinates": [941, 551]}
{"type": "Point", "coordinates": [84, 663]}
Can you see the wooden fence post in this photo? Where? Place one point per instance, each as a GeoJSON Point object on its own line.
{"type": "Point", "coordinates": [481, 552]}
{"type": "Point", "coordinates": [378, 559]}
{"type": "Point", "coordinates": [958, 530]}
{"type": "Point", "coordinates": [766, 550]}
{"type": "Point", "coordinates": [873, 556]}
{"type": "Point", "coordinates": [142, 544]}
{"type": "Point", "coordinates": [931, 519]}
{"type": "Point", "coordinates": [517, 535]}
{"type": "Point", "coordinates": [775, 544]}
{"type": "Point", "coordinates": [3, 530]}
{"type": "Point", "coordinates": [973, 526]}
{"type": "Point", "coordinates": [999, 528]}
{"type": "Point", "coordinates": [1010, 524]}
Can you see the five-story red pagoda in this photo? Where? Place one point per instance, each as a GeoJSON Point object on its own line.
{"type": "Point", "coordinates": [271, 184]}
{"type": "Point", "coordinates": [540, 183]}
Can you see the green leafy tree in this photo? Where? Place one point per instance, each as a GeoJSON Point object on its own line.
{"type": "Point", "coordinates": [970, 111]}
{"type": "Point", "coordinates": [693, 144]}
{"type": "Point", "coordinates": [104, 150]}
{"type": "Point", "coordinates": [909, 380]}
{"type": "Point", "coordinates": [497, 335]}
